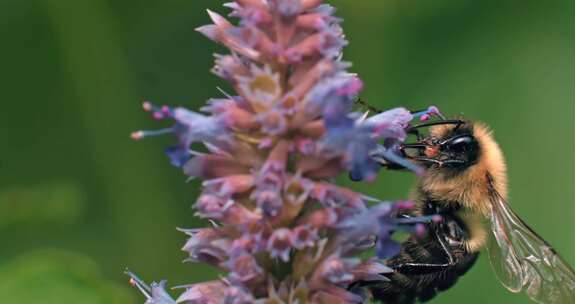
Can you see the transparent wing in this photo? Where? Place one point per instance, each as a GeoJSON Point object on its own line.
{"type": "Point", "coordinates": [523, 261]}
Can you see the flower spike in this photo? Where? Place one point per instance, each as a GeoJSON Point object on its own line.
{"type": "Point", "coordinates": [280, 229]}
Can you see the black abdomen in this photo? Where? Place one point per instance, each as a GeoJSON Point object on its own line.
{"type": "Point", "coordinates": [427, 264]}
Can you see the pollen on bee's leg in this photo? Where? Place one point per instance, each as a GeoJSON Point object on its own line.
{"type": "Point", "coordinates": [431, 151]}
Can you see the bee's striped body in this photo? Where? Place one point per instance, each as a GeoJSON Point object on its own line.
{"type": "Point", "coordinates": [430, 263]}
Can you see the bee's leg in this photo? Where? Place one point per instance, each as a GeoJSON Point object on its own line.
{"type": "Point", "coordinates": [421, 268]}
{"type": "Point", "coordinates": [416, 133]}
{"type": "Point", "coordinates": [375, 110]}
{"type": "Point", "coordinates": [429, 268]}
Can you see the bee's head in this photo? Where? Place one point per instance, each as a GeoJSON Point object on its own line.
{"type": "Point", "coordinates": [451, 146]}
{"type": "Point", "coordinates": [462, 160]}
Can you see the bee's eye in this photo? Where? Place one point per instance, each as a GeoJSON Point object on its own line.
{"type": "Point", "coordinates": [459, 144]}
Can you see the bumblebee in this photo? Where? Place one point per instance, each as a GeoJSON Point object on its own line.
{"type": "Point", "coordinates": [465, 182]}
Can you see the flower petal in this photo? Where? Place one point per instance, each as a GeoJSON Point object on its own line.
{"type": "Point", "coordinates": [208, 292]}
{"type": "Point", "coordinates": [243, 268]}
{"type": "Point", "coordinates": [280, 244]}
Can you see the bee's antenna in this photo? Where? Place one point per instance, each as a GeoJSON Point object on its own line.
{"type": "Point", "coordinates": [457, 122]}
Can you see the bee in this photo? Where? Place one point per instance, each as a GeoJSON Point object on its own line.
{"type": "Point", "coordinates": [465, 182]}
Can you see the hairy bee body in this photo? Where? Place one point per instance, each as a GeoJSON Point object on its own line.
{"type": "Point", "coordinates": [433, 262]}
{"type": "Point", "coordinates": [465, 182]}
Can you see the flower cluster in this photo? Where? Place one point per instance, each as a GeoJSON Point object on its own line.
{"type": "Point", "coordinates": [282, 231]}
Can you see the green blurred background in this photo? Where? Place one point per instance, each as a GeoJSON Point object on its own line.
{"type": "Point", "coordinates": [80, 201]}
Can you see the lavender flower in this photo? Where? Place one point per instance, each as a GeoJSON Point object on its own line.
{"type": "Point", "coordinates": [282, 232]}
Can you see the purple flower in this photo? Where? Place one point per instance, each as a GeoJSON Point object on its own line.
{"type": "Point", "coordinates": [326, 43]}
{"type": "Point", "coordinates": [304, 236]}
{"type": "Point", "coordinates": [268, 201]}
{"type": "Point", "coordinates": [280, 244]}
{"type": "Point", "coordinates": [231, 184]}
{"type": "Point", "coordinates": [370, 221]}
{"type": "Point", "coordinates": [255, 14]}
{"type": "Point", "coordinates": [261, 86]}
{"type": "Point", "coordinates": [225, 33]}
{"type": "Point", "coordinates": [305, 146]}
{"type": "Point", "coordinates": [336, 294]}
{"type": "Point", "coordinates": [243, 268]}
{"type": "Point", "coordinates": [331, 195]}
{"type": "Point", "coordinates": [371, 270]}
{"type": "Point", "coordinates": [193, 127]}
{"type": "Point", "coordinates": [273, 121]}
{"type": "Point", "coordinates": [208, 292]}
{"type": "Point", "coordinates": [386, 247]}
{"type": "Point", "coordinates": [229, 67]}
{"type": "Point", "coordinates": [269, 180]}
{"type": "Point", "coordinates": [278, 157]}
{"type": "Point", "coordinates": [211, 166]}
{"type": "Point", "coordinates": [287, 8]}
{"type": "Point", "coordinates": [338, 270]}
{"type": "Point", "coordinates": [190, 127]}
{"type": "Point", "coordinates": [206, 245]}
{"type": "Point", "coordinates": [297, 190]}
{"type": "Point", "coordinates": [339, 90]}
{"type": "Point", "coordinates": [222, 208]}
{"type": "Point", "coordinates": [390, 124]}
{"type": "Point", "coordinates": [324, 218]}
{"type": "Point", "coordinates": [379, 220]}
{"type": "Point", "coordinates": [243, 245]}
{"type": "Point", "coordinates": [356, 140]}
{"type": "Point", "coordinates": [282, 230]}
{"type": "Point", "coordinates": [155, 293]}
{"type": "Point", "coordinates": [212, 205]}
{"type": "Point", "coordinates": [237, 295]}
{"type": "Point", "coordinates": [350, 141]}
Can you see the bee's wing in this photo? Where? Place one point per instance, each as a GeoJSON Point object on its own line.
{"type": "Point", "coordinates": [523, 261]}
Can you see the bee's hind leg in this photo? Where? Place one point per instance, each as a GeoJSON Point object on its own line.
{"type": "Point", "coordinates": [429, 268]}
